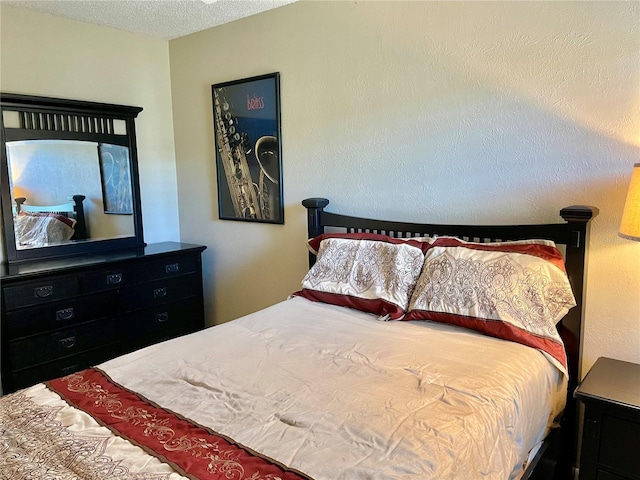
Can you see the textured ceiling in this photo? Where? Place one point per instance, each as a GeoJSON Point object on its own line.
{"type": "Point", "coordinates": [155, 18]}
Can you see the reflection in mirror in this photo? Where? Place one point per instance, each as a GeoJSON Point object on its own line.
{"type": "Point", "coordinates": [65, 161]}
{"type": "Point", "coordinates": [44, 175]}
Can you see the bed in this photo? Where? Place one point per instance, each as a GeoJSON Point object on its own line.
{"type": "Point", "coordinates": [311, 388]}
{"type": "Point", "coordinates": [43, 225]}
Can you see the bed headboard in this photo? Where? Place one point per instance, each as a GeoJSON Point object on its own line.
{"type": "Point", "coordinates": [72, 209]}
{"type": "Point", "coordinates": [572, 234]}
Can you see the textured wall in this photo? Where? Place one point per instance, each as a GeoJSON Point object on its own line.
{"type": "Point", "coordinates": [51, 56]}
{"type": "Point", "coordinates": [436, 111]}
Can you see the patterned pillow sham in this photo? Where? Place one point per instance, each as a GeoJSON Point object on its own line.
{"type": "Point", "coordinates": [517, 291]}
{"type": "Point", "coordinates": [42, 229]}
{"type": "Point", "coordinates": [313, 244]}
{"type": "Point", "coordinates": [375, 276]}
{"type": "Point", "coordinates": [431, 240]}
{"type": "Point", "coordinates": [68, 221]}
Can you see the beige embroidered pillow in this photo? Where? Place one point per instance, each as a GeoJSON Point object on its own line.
{"type": "Point", "coordinates": [376, 276]}
{"type": "Point", "coordinates": [517, 291]}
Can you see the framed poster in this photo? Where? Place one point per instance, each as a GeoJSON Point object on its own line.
{"type": "Point", "coordinates": [246, 123]}
{"type": "Point", "coordinates": [115, 172]}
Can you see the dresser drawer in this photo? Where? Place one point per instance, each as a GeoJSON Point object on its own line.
{"type": "Point", "coordinates": [163, 322]}
{"type": "Point", "coordinates": [160, 292]}
{"type": "Point", "coordinates": [41, 291]}
{"type": "Point", "coordinates": [112, 278]}
{"type": "Point", "coordinates": [55, 315]}
{"type": "Point", "coordinates": [52, 346]}
{"type": "Point", "coordinates": [31, 376]}
{"type": "Point", "coordinates": [173, 266]}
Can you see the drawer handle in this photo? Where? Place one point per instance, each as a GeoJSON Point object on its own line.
{"type": "Point", "coordinates": [69, 369]}
{"type": "Point", "coordinates": [65, 314]}
{"type": "Point", "coordinates": [114, 278]}
{"type": "Point", "coordinates": [162, 317]}
{"type": "Point", "coordinates": [172, 268]}
{"type": "Point", "coordinates": [68, 342]}
{"type": "Point", "coordinates": [43, 292]}
{"type": "Point", "coordinates": [160, 292]}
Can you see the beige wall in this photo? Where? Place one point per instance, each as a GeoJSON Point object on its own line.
{"type": "Point", "coordinates": [434, 111]}
{"type": "Point", "coordinates": [444, 112]}
{"type": "Point", "coordinates": [50, 56]}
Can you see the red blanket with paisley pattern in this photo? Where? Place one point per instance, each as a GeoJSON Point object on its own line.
{"type": "Point", "coordinates": [192, 450]}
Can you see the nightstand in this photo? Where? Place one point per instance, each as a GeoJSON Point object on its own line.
{"type": "Point", "coordinates": [611, 435]}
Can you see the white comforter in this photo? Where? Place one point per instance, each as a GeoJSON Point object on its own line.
{"type": "Point", "coordinates": [337, 394]}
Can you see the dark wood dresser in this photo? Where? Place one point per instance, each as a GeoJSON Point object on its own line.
{"type": "Point", "coordinates": [611, 434]}
{"type": "Point", "coordinates": [63, 315]}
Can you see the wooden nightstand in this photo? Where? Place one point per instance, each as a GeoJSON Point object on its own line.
{"type": "Point", "coordinates": [611, 434]}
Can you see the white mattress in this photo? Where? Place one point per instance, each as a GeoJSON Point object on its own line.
{"type": "Point", "coordinates": [337, 394]}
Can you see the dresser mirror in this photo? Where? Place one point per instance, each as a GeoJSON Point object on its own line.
{"type": "Point", "coordinates": [69, 177]}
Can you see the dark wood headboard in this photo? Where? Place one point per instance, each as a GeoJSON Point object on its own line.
{"type": "Point", "coordinates": [76, 205]}
{"type": "Point", "coordinates": [572, 233]}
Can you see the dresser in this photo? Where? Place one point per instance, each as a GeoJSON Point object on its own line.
{"type": "Point", "coordinates": [610, 393]}
{"type": "Point", "coordinates": [64, 315]}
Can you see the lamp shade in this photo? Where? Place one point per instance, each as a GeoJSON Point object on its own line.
{"type": "Point", "coordinates": [630, 225]}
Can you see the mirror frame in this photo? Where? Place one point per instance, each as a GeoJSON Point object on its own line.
{"type": "Point", "coordinates": [45, 118]}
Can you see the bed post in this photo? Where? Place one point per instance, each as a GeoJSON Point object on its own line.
{"type": "Point", "coordinates": [577, 218]}
{"type": "Point", "coordinates": [19, 202]}
{"type": "Point", "coordinates": [80, 226]}
{"type": "Point", "coordinates": [314, 207]}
